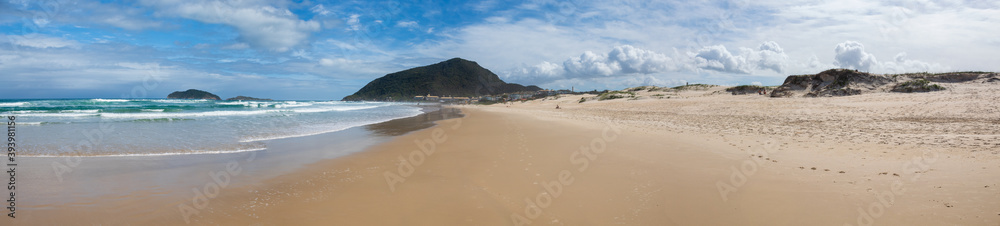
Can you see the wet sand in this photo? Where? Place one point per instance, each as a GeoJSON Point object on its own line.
{"type": "Point", "coordinates": [149, 189]}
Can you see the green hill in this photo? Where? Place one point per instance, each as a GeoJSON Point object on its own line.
{"type": "Point", "coordinates": [455, 77]}
{"type": "Point", "coordinates": [193, 94]}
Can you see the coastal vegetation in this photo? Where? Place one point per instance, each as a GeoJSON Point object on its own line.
{"type": "Point", "coordinates": [615, 95]}
{"type": "Point", "coordinates": [918, 85]}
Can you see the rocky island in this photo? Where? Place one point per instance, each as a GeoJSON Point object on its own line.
{"type": "Point", "coordinates": [248, 98]}
{"type": "Point", "coordinates": [193, 94]}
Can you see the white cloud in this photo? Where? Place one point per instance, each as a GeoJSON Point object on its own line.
{"type": "Point", "coordinates": [320, 10]}
{"type": "Point", "coordinates": [238, 45]}
{"type": "Point", "coordinates": [719, 59]}
{"type": "Point", "coordinates": [767, 56]}
{"type": "Point", "coordinates": [139, 66]}
{"type": "Point", "coordinates": [851, 54]}
{"type": "Point", "coordinates": [590, 64]}
{"type": "Point", "coordinates": [301, 53]}
{"type": "Point", "coordinates": [497, 20]}
{"type": "Point", "coordinates": [902, 65]}
{"type": "Point", "coordinates": [354, 22]}
{"type": "Point", "coordinates": [621, 60]}
{"type": "Point", "coordinates": [89, 13]}
{"type": "Point", "coordinates": [485, 6]}
{"type": "Point", "coordinates": [339, 62]}
{"type": "Point", "coordinates": [635, 60]}
{"type": "Point", "coordinates": [952, 33]}
{"type": "Point", "coordinates": [812, 65]}
{"type": "Point", "coordinates": [625, 63]}
{"type": "Point", "coordinates": [129, 23]}
{"type": "Point", "coordinates": [404, 23]}
{"type": "Point", "coordinates": [260, 24]}
{"type": "Point", "coordinates": [646, 80]}
{"type": "Point", "coordinates": [39, 41]}
{"type": "Point", "coordinates": [326, 62]}
{"type": "Point", "coordinates": [510, 45]}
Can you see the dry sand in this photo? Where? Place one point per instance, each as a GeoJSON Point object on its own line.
{"type": "Point", "coordinates": [663, 158]}
{"type": "Point", "coordinates": [695, 158]}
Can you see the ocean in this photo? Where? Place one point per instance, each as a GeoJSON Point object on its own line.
{"type": "Point", "coordinates": [158, 127]}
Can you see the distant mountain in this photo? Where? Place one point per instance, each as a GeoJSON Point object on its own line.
{"type": "Point", "coordinates": [455, 77]}
{"type": "Point", "coordinates": [193, 94]}
{"type": "Point", "coordinates": [246, 98]}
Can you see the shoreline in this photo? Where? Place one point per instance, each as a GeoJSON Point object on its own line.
{"type": "Point", "coordinates": [150, 188]}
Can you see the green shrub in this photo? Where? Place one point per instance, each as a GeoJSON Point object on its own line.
{"type": "Point", "coordinates": [918, 85]}
{"type": "Point", "coordinates": [615, 95]}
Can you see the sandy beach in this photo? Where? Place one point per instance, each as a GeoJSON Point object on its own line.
{"type": "Point", "coordinates": [701, 157]}
{"type": "Point", "coordinates": [506, 113]}
{"type": "Point", "coordinates": [697, 158]}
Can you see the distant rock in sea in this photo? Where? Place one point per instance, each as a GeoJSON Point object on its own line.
{"type": "Point", "coordinates": [246, 98]}
{"type": "Point", "coordinates": [193, 94]}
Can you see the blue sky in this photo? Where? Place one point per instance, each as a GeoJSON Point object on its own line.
{"type": "Point", "coordinates": [329, 49]}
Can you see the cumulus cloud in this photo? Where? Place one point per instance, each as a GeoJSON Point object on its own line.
{"type": "Point", "coordinates": [621, 60]}
{"type": "Point", "coordinates": [719, 59]}
{"type": "Point", "coordinates": [631, 65]}
{"type": "Point", "coordinates": [647, 80]}
{"type": "Point", "coordinates": [901, 64]}
{"type": "Point", "coordinates": [260, 24]}
{"type": "Point", "coordinates": [768, 56]}
{"type": "Point", "coordinates": [851, 54]}
{"type": "Point", "coordinates": [812, 65]}
{"type": "Point", "coordinates": [591, 64]}
{"type": "Point", "coordinates": [623, 64]}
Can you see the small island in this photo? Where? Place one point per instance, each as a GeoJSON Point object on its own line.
{"type": "Point", "coordinates": [193, 94]}
{"type": "Point", "coordinates": [248, 98]}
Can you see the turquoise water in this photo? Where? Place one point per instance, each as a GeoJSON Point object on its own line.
{"type": "Point", "coordinates": [147, 127]}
